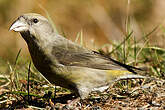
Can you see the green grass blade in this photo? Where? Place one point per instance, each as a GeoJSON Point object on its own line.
{"type": "Point", "coordinates": [17, 56]}
{"type": "Point", "coordinates": [121, 43]}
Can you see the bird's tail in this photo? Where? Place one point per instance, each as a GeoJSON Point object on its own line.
{"type": "Point", "coordinates": [128, 67]}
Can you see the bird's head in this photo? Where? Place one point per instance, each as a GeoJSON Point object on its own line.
{"type": "Point", "coordinates": [34, 24]}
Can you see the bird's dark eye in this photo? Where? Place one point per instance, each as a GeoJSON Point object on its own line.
{"type": "Point", "coordinates": [35, 20]}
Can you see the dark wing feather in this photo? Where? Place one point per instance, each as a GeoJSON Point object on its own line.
{"type": "Point", "coordinates": [75, 55]}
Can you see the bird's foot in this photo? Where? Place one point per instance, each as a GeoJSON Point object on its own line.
{"type": "Point", "coordinates": [73, 105]}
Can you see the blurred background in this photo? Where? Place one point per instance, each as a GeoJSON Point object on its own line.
{"type": "Point", "coordinates": [100, 21]}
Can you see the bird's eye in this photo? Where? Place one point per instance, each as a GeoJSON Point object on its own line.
{"type": "Point", "coordinates": [35, 20]}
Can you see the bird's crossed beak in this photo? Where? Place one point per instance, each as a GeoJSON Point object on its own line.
{"type": "Point", "coordinates": [19, 26]}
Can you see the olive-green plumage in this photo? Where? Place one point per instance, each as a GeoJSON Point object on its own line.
{"type": "Point", "coordinates": [64, 62]}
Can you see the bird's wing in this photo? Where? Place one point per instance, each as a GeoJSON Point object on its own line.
{"type": "Point", "coordinates": [75, 55]}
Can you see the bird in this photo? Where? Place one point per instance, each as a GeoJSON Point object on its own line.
{"type": "Point", "coordinates": [66, 63]}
